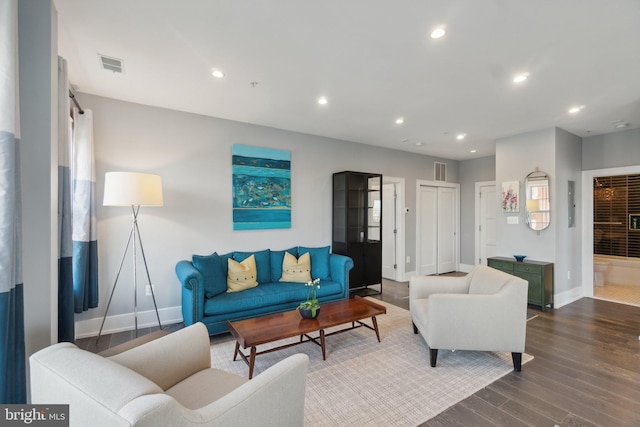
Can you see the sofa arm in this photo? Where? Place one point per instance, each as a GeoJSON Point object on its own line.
{"type": "Point", "coordinates": [424, 286]}
{"type": "Point", "coordinates": [170, 359]}
{"type": "Point", "coordinates": [340, 266]}
{"type": "Point", "coordinates": [275, 398]}
{"type": "Point", "coordinates": [192, 292]}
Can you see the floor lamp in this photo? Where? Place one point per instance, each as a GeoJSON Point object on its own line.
{"type": "Point", "coordinates": [135, 190]}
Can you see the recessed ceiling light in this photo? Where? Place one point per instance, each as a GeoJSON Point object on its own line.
{"type": "Point", "coordinates": [519, 78]}
{"type": "Point", "coordinates": [576, 109]}
{"type": "Point", "coordinates": [622, 125]}
{"type": "Point", "coordinates": [474, 151]}
{"type": "Point", "coordinates": [322, 100]}
{"type": "Point", "coordinates": [419, 144]}
{"type": "Point", "coordinates": [461, 136]}
{"type": "Point", "coordinates": [438, 33]}
{"type": "Point", "coordinates": [217, 73]}
{"type": "Point", "coordinates": [399, 121]}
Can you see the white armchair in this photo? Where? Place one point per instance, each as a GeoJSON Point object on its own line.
{"type": "Point", "coordinates": [167, 382]}
{"type": "Point", "coordinates": [486, 310]}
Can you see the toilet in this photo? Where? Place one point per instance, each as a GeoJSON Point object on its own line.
{"type": "Point", "coordinates": [600, 268]}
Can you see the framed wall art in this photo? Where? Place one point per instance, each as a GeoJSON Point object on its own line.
{"type": "Point", "coordinates": [510, 196]}
{"type": "Point", "coordinates": [261, 188]}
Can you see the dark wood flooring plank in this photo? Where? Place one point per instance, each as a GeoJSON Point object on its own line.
{"type": "Point", "coordinates": [492, 413]}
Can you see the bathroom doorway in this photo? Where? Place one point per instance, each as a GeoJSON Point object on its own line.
{"type": "Point", "coordinates": [611, 244]}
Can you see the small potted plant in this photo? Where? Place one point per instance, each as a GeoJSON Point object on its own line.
{"type": "Point", "coordinates": [310, 308]}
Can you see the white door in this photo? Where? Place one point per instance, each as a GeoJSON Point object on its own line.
{"type": "Point", "coordinates": [446, 248]}
{"type": "Point", "coordinates": [428, 230]}
{"type": "Point", "coordinates": [487, 226]}
{"type": "Point", "coordinates": [389, 232]}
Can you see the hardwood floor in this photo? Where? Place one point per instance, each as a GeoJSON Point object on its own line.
{"type": "Point", "coordinates": [585, 371]}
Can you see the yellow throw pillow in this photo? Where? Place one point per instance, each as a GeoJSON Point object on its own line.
{"type": "Point", "coordinates": [241, 275]}
{"type": "Point", "coordinates": [296, 269]}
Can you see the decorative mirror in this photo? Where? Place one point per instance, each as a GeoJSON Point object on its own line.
{"type": "Point", "coordinates": [538, 204]}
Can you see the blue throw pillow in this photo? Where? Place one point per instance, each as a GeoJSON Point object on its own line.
{"type": "Point", "coordinates": [214, 272]}
{"type": "Point", "coordinates": [277, 257]}
{"type": "Point", "coordinates": [319, 261]}
{"type": "Point", "coordinates": [263, 263]}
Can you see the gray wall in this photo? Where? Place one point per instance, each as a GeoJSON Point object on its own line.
{"type": "Point", "coordinates": [611, 150]}
{"type": "Point", "coordinates": [192, 153]}
{"type": "Point", "coordinates": [471, 171]}
{"type": "Point", "coordinates": [568, 264]}
{"type": "Point", "coordinates": [516, 157]}
{"type": "Point", "coordinates": [37, 25]}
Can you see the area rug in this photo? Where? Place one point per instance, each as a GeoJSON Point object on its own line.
{"type": "Point", "coordinates": [366, 383]}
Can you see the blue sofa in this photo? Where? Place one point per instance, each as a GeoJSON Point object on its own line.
{"type": "Point", "coordinates": [204, 284]}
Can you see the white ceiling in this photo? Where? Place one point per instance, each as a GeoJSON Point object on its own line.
{"type": "Point", "coordinates": [373, 60]}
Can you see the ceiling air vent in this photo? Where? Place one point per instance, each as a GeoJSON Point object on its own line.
{"type": "Point", "coordinates": [111, 64]}
{"type": "Point", "coordinates": [440, 171]}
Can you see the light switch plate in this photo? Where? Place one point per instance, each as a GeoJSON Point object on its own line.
{"type": "Point", "coordinates": [512, 220]}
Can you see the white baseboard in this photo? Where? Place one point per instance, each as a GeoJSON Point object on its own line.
{"type": "Point", "coordinates": [466, 268]}
{"type": "Point", "coordinates": [126, 322]}
{"type": "Point", "coordinates": [567, 297]}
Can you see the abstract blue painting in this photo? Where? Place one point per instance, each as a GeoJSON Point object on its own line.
{"type": "Point", "coordinates": [261, 188]}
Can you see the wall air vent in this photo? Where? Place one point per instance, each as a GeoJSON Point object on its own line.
{"type": "Point", "coordinates": [440, 171]}
{"type": "Point", "coordinates": [111, 64]}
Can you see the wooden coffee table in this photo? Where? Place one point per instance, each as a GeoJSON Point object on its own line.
{"type": "Point", "coordinates": [274, 327]}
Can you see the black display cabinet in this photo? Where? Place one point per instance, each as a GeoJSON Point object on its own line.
{"type": "Point", "coordinates": [357, 227]}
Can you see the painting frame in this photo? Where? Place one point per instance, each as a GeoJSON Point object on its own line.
{"type": "Point", "coordinates": [510, 201]}
{"type": "Point", "coordinates": [261, 188]}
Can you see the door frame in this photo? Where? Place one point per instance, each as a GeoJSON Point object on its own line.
{"type": "Point", "coordinates": [400, 225]}
{"type": "Point", "coordinates": [587, 220]}
{"type": "Point", "coordinates": [478, 215]}
{"type": "Point", "coordinates": [456, 187]}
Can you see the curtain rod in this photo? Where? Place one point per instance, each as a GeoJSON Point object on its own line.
{"type": "Point", "coordinates": [75, 101]}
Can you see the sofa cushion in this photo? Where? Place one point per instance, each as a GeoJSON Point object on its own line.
{"type": "Point", "coordinates": [296, 269]}
{"type": "Point", "coordinates": [241, 275]}
{"type": "Point", "coordinates": [213, 269]}
{"type": "Point", "coordinates": [265, 296]}
{"type": "Point", "coordinates": [263, 263]}
{"type": "Point", "coordinates": [319, 261]}
{"type": "Point", "coordinates": [276, 262]}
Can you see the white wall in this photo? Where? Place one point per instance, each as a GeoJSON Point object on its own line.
{"type": "Point", "coordinates": [192, 153]}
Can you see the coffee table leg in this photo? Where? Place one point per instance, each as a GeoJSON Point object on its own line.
{"type": "Point", "coordinates": [324, 353]}
{"type": "Point", "coordinates": [235, 353]}
{"type": "Point", "coordinates": [252, 361]}
{"type": "Point", "coordinates": [375, 327]}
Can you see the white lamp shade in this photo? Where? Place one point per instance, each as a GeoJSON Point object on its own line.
{"type": "Point", "coordinates": [132, 188]}
{"type": "Point", "coordinates": [533, 205]}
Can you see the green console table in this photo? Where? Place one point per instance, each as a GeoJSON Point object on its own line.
{"type": "Point", "coordinates": [539, 274]}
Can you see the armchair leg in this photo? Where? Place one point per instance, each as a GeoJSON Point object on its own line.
{"type": "Point", "coordinates": [415, 329]}
{"type": "Point", "coordinates": [517, 361]}
{"type": "Point", "coordinates": [433, 356]}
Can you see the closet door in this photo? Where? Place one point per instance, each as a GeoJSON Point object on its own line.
{"type": "Point", "coordinates": [446, 230]}
{"type": "Point", "coordinates": [428, 230]}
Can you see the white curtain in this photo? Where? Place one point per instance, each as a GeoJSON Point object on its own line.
{"type": "Point", "coordinates": [78, 252]}
{"type": "Point", "coordinates": [12, 348]}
